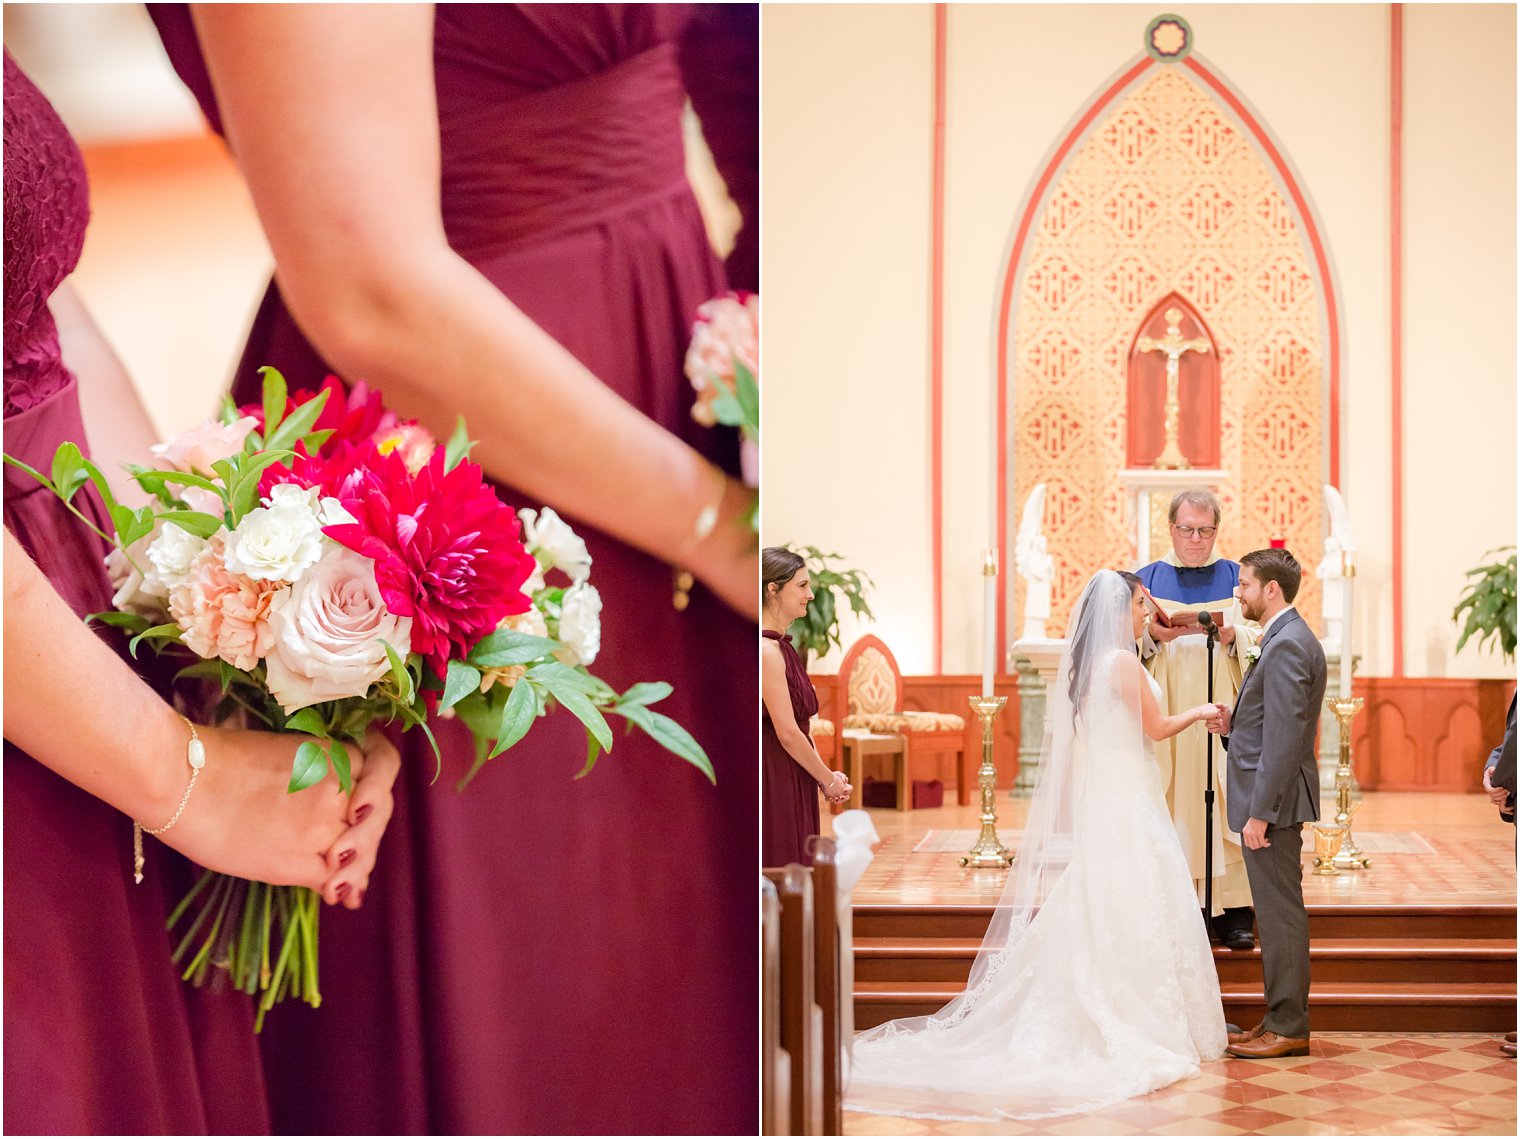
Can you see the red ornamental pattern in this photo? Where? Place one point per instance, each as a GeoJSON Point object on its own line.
{"type": "Point", "coordinates": [1167, 193]}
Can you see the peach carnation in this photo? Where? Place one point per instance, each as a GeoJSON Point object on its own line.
{"type": "Point", "coordinates": [221, 613]}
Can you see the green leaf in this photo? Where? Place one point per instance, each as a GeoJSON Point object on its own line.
{"type": "Point", "coordinates": [339, 755]}
{"type": "Point", "coordinates": [572, 698]}
{"type": "Point", "coordinates": [481, 713]}
{"type": "Point", "coordinates": [649, 692]}
{"type": "Point", "coordinates": [403, 677]}
{"type": "Point", "coordinates": [69, 472]}
{"type": "Point", "coordinates": [309, 768]}
{"type": "Point", "coordinates": [458, 447]}
{"type": "Point", "coordinates": [156, 633]}
{"type": "Point", "coordinates": [593, 750]}
{"type": "Point", "coordinates": [671, 736]}
{"type": "Point", "coordinates": [36, 474]}
{"type": "Point", "coordinates": [507, 646]}
{"type": "Point", "coordinates": [275, 393]}
{"type": "Point", "coordinates": [245, 488]}
{"type": "Point", "coordinates": [571, 677]}
{"type": "Point", "coordinates": [307, 720]}
{"type": "Point", "coordinates": [314, 441]}
{"type": "Point", "coordinates": [462, 680]}
{"type": "Point", "coordinates": [747, 393]}
{"type": "Point", "coordinates": [300, 423]}
{"type": "Point", "coordinates": [196, 522]}
{"type": "Point", "coordinates": [517, 716]}
{"type": "Point", "coordinates": [229, 413]}
{"type": "Point", "coordinates": [119, 620]}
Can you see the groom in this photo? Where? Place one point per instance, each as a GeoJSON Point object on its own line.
{"type": "Point", "coordinates": [1274, 787]}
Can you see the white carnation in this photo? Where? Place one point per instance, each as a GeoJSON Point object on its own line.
{"type": "Point", "coordinates": [138, 588]}
{"type": "Point", "coordinates": [580, 624]}
{"type": "Point", "coordinates": [173, 552]}
{"type": "Point", "coordinates": [279, 541]}
{"type": "Point", "coordinates": [548, 538]}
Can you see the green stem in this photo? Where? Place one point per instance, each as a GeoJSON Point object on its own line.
{"type": "Point", "coordinates": [200, 919]}
{"type": "Point", "coordinates": [199, 963]}
{"type": "Point", "coordinates": [179, 910]}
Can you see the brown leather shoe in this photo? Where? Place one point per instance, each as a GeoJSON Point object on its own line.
{"type": "Point", "coordinates": [1242, 1037]}
{"type": "Point", "coordinates": [1509, 1036]}
{"type": "Point", "coordinates": [1509, 1049]}
{"type": "Point", "coordinates": [1269, 1046]}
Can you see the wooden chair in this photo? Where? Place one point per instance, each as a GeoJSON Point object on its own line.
{"type": "Point", "coordinates": [873, 688]}
{"type": "Point", "coordinates": [825, 739]}
{"type": "Point", "coordinates": [775, 1064]}
{"type": "Point", "coordinates": [801, 1019]}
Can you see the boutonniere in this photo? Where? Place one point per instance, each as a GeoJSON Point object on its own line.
{"type": "Point", "coordinates": [1253, 654]}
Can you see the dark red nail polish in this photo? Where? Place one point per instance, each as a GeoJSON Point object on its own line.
{"type": "Point", "coordinates": [342, 891]}
{"type": "Point", "coordinates": [363, 813]}
{"type": "Point", "coordinates": [345, 858]}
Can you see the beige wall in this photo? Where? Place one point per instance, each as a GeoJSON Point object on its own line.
{"type": "Point", "coordinates": [847, 241]}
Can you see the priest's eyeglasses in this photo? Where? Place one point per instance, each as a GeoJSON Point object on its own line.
{"type": "Point", "coordinates": [1196, 531]}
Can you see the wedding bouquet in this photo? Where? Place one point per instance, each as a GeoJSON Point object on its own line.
{"type": "Point", "coordinates": [327, 566]}
{"type": "Point", "coordinates": [723, 365]}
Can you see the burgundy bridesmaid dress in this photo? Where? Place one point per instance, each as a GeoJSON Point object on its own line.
{"type": "Point", "coordinates": [789, 801]}
{"type": "Point", "coordinates": [539, 954]}
{"type": "Point", "coordinates": [101, 1036]}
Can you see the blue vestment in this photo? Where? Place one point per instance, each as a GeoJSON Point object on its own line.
{"type": "Point", "coordinates": [1189, 586]}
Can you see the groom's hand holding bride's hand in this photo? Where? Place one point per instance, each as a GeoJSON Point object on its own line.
{"type": "Point", "coordinates": [1219, 722]}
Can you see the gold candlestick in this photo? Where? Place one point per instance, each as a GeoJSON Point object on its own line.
{"type": "Point", "coordinates": [988, 852]}
{"type": "Point", "coordinates": [1350, 857]}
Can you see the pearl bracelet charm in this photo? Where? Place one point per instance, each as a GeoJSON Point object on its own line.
{"type": "Point", "coordinates": [195, 756]}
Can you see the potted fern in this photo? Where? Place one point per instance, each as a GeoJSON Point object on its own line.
{"type": "Point", "coordinates": [1490, 604]}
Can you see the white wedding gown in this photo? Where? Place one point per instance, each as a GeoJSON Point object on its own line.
{"type": "Point", "coordinates": [1108, 991]}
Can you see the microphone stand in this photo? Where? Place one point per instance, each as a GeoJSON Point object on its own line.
{"type": "Point", "coordinates": [1211, 631]}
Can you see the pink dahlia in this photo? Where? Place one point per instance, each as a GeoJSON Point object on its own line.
{"type": "Point", "coordinates": [448, 553]}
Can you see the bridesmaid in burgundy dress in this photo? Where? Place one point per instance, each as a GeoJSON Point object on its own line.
{"type": "Point", "coordinates": [101, 1036]}
{"type": "Point", "coordinates": [488, 213]}
{"type": "Point", "coordinates": [793, 771]}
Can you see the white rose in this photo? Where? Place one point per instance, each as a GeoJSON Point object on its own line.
{"type": "Point", "coordinates": [172, 553]}
{"type": "Point", "coordinates": [278, 541]}
{"type": "Point", "coordinates": [580, 624]}
{"type": "Point", "coordinates": [138, 588]}
{"type": "Point", "coordinates": [549, 539]}
{"type": "Point", "coordinates": [328, 628]}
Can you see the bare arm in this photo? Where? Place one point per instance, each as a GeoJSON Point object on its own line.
{"type": "Point", "coordinates": [115, 420]}
{"type": "Point", "coordinates": [1157, 724]}
{"type": "Point", "coordinates": [331, 113]}
{"type": "Point", "coordinates": [778, 703]}
{"type": "Point", "coordinates": [132, 755]}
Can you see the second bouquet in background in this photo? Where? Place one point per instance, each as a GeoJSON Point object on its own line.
{"type": "Point", "coordinates": [327, 566]}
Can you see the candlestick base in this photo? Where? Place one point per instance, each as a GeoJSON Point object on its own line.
{"type": "Point", "coordinates": [988, 852]}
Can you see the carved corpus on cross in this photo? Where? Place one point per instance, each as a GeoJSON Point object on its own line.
{"type": "Point", "coordinates": [1173, 344]}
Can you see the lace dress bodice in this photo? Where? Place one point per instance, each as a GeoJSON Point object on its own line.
{"type": "Point", "coordinates": [46, 207]}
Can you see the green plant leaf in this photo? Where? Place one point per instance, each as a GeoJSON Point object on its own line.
{"type": "Point", "coordinates": [299, 423]}
{"type": "Point", "coordinates": [36, 474]}
{"type": "Point", "coordinates": [156, 633]}
{"type": "Point", "coordinates": [517, 716]}
{"type": "Point", "coordinates": [646, 693]}
{"type": "Point", "coordinates": [462, 680]}
{"type": "Point", "coordinates": [196, 522]}
{"type": "Point", "coordinates": [307, 720]}
{"type": "Point", "coordinates": [119, 620]}
{"type": "Point", "coordinates": [593, 750]}
{"type": "Point", "coordinates": [403, 677]}
{"type": "Point", "coordinates": [275, 393]}
{"type": "Point", "coordinates": [316, 440]}
{"type": "Point", "coordinates": [458, 447]}
{"type": "Point", "coordinates": [671, 736]}
{"type": "Point", "coordinates": [507, 647]}
{"type": "Point", "coordinates": [309, 767]}
{"type": "Point", "coordinates": [572, 697]}
{"type": "Point", "coordinates": [339, 756]}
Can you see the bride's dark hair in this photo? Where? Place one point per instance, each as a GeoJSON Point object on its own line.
{"type": "Point", "coordinates": [1080, 676]}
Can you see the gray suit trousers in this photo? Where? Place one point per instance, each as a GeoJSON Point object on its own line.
{"type": "Point", "coordinates": [1277, 885]}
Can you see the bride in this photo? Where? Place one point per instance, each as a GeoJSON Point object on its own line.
{"type": "Point", "coordinates": [1095, 981]}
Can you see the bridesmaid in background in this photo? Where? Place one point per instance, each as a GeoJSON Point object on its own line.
{"type": "Point", "coordinates": [793, 771]}
{"type": "Point", "coordinates": [484, 209]}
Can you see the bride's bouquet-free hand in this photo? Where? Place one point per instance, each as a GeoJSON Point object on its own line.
{"type": "Point", "coordinates": [328, 566]}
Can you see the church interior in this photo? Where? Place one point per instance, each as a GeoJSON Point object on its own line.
{"type": "Point", "coordinates": [1032, 270]}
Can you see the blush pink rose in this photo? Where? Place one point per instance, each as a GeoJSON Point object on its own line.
{"type": "Point", "coordinates": [221, 613]}
{"type": "Point", "coordinates": [328, 633]}
{"type": "Point", "coordinates": [195, 450]}
{"type": "Point", "coordinates": [727, 329]}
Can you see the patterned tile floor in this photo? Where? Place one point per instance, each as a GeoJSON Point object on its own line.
{"type": "Point", "coordinates": [1351, 1084]}
{"type": "Point", "coordinates": [1474, 861]}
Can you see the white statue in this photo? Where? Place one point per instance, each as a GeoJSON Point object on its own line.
{"type": "Point", "coordinates": [1332, 566]}
{"type": "Point", "coordinates": [1035, 566]}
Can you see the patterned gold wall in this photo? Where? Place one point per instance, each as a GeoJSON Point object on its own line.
{"type": "Point", "coordinates": [1167, 192]}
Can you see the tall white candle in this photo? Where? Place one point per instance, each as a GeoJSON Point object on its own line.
{"type": "Point", "coordinates": [989, 622]}
{"type": "Point", "coordinates": [1346, 591]}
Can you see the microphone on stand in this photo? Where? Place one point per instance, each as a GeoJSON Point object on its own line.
{"type": "Point", "coordinates": [1206, 619]}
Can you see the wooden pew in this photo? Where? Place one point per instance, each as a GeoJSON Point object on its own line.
{"type": "Point", "coordinates": [776, 1063]}
{"type": "Point", "coordinates": [801, 1019]}
{"type": "Point", "coordinates": [827, 982]}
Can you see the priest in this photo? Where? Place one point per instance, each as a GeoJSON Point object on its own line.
{"type": "Point", "coordinates": [1190, 579]}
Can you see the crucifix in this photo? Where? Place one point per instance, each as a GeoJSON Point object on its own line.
{"type": "Point", "coordinates": [1171, 457]}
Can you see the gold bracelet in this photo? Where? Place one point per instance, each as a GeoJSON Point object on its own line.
{"type": "Point", "coordinates": [706, 521]}
{"type": "Point", "coordinates": [195, 755]}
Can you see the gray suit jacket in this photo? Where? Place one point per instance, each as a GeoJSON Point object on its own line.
{"type": "Point", "coordinates": [1270, 749]}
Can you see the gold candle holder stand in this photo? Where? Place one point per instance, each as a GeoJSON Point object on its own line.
{"type": "Point", "coordinates": [1327, 844]}
{"type": "Point", "coordinates": [1349, 856]}
{"type": "Point", "coordinates": [988, 852]}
